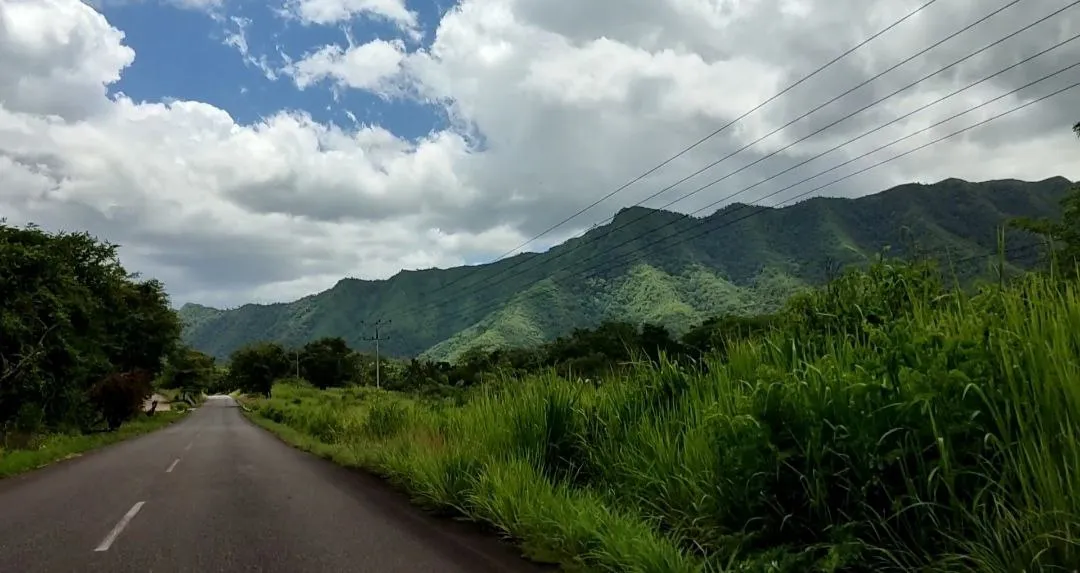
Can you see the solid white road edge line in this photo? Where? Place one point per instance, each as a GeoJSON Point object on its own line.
{"type": "Point", "coordinates": [108, 541]}
{"type": "Point", "coordinates": [173, 465]}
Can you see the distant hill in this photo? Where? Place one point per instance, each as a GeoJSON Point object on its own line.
{"type": "Point", "coordinates": [741, 259]}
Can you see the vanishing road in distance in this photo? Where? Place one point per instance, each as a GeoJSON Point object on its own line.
{"type": "Point", "coordinates": [213, 492]}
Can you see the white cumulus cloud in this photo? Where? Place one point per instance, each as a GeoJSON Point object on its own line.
{"type": "Point", "coordinates": [334, 11]}
{"type": "Point", "coordinates": [367, 66]}
{"type": "Point", "coordinates": [553, 103]}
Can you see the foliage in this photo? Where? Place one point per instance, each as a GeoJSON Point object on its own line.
{"type": "Point", "coordinates": [120, 396]}
{"type": "Point", "coordinates": [145, 332]}
{"type": "Point", "coordinates": [422, 374]}
{"type": "Point", "coordinates": [744, 267]}
{"type": "Point", "coordinates": [327, 362]}
{"type": "Point", "coordinates": [884, 422]}
{"type": "Point", "coordinates": [78, 334]}
{"type": "Point", "coordinates": [255, 367]}
{"type": "Point", "coordinates": [44, 449]}
{"type": "Point", "coordinates": [1061, 234]}
{"type": "Point", "coordinates": [193, 373]}
{"type": "Point", "coordinates": [719, 333]}
{"type": "Point", "coordinates": [858, 301]}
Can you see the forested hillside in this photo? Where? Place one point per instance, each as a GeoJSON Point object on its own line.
{"type": "Point", "coordinates": [647, 266]}
{"type": "Point", "coordinates": [884, 421]}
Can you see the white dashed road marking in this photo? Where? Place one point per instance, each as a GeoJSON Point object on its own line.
{"type": "Point", "coordinates": [108, 541]}
{"type": "Point", "coordinates": [173, 465]}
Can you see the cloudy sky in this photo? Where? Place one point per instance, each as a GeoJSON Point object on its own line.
{"type": "Point", "coordinates": [256, 151]}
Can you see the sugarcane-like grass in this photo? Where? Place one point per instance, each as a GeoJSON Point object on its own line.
{"type": "Point", "coordinates": [942, 436]}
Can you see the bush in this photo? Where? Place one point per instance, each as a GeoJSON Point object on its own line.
{"type": "Point", "coordinates": [71, 318]}
{"type": "Point", "coordinates": [120, 396]}
{"type": "Point", "coordinates": [254, 368]}
{"type": "Point", "coordinates": [941, 435]}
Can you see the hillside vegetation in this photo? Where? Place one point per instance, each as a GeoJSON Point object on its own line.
{"type": "Point", "coordinates": [884, 421]}
{"type": "Point", "coordinates": [745, 265]}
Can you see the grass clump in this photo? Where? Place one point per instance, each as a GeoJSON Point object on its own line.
{"type": "Point", "coordinates": [886, 423]}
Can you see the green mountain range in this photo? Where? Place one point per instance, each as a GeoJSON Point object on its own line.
{"type": "Point", "coordinates": [649, 265]}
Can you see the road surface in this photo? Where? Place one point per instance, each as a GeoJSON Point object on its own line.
{"type": "Point", "coordinates": [214, 492]}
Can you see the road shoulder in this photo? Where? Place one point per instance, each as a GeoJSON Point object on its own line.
{"type": "Point", "coordinates": [456, 534]}
{"type": "Point", "coordinates": [57, 449]}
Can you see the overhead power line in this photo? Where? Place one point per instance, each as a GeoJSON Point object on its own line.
{"type": "Point", "coordinates": [706, 138]}
{"type": "Point", "coordinates": [996, 252]}
{"type": "Point", "coordinates": [608, 231]}
{"type": "Point", "coordinates": [732, 154]}
{"type": "Point", "coordinates": [875, 165]}
{"type": "Point", "coordinates": [708, 230]}
{"type": "Point", "coordinates": [629, 222]}
{"type": "Point", "coordinates": [870, 105]}
{"type": "Point", "coordinates": [848, 142]}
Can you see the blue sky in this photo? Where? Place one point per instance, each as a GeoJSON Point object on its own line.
{"type": "Point", "coordinates": [564, 102]}
{"type": "Point", "coordinates": [183, 54]}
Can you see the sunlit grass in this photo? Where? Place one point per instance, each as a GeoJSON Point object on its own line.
{"type": "Point", "coordinates": [942, 438]}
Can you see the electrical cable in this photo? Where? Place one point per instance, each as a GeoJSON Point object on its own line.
{"type": "Point", "coordinates": [875, 165]}
{"type": "Point", "coordinates": [710, 135]}
{"type": "Point", "coordinates": [1058, 45]}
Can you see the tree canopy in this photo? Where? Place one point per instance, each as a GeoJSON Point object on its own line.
{"type": "Point", "coordinates": [1063, 233]}
{"type": "Point", "coordinates": [732, 265]}
{"type": "Point", "coordinates": [80, 338]}
{"type": "Point", "coordinates": [327, 362]}
{"type": "Point", "coordinates": [255, 367]}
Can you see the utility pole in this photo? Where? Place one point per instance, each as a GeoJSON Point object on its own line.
{"type": "Point", "coordinates": [297, 354]}
{"type": "Point", "coordinates": [377, 339]}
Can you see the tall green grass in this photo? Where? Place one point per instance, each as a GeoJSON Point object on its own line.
{"type": "Point", "coordinates": [892, 425]}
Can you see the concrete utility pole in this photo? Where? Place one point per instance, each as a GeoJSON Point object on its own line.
{"type": "Point", "coordinates": [376, 338]}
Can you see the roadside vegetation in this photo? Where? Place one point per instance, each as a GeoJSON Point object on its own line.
{"type": "Point", "coordinates": [886, 421]}
{"type": "Point", "coordinates": [83, 343]}
{"type": "Point", "coordinates": [764, 259]}
{"type": "Point", "coordinates": [44, 449]}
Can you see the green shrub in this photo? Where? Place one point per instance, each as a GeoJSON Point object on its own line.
{"type": "Point", "coordinates": [120, 396]}
{"type": "Point", "coordinates": [941, 435]}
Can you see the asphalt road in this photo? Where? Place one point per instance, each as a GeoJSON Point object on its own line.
{"type": "Point", "coordinates": [214, 492]}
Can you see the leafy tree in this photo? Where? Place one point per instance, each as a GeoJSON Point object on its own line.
{"type": "Point", "coordinates": [471, 366]}
{"type": "Point", "coordinates": [255, 367]}
{"type": "Point", "coordinates": [327, 362]}
{"type": "Point", "coordinates": [656, 340]}
{"type": "Point", "coordinates": [191, 371]}
{"type": "Point", "coordinates": [768, 256]}
{"type": "Point", "coordinates": [120, 396]}
{"type": "Point", "coordinates": [612, 339]}
{"type": "Point", "coordinates": [74, 324]}
{"type": "Point", "coordinates": [419, 374]}
{"type": "Point", "coordinates": [146, 331]}
{"type": "Point", "coordinates": [719, 333]}
{"type": "Point", "coordinates": [523, 359]}
{"type": "Point", "coordinates": [1063, 233]}
{"type": "Point", "coordinates": [390, 372]}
